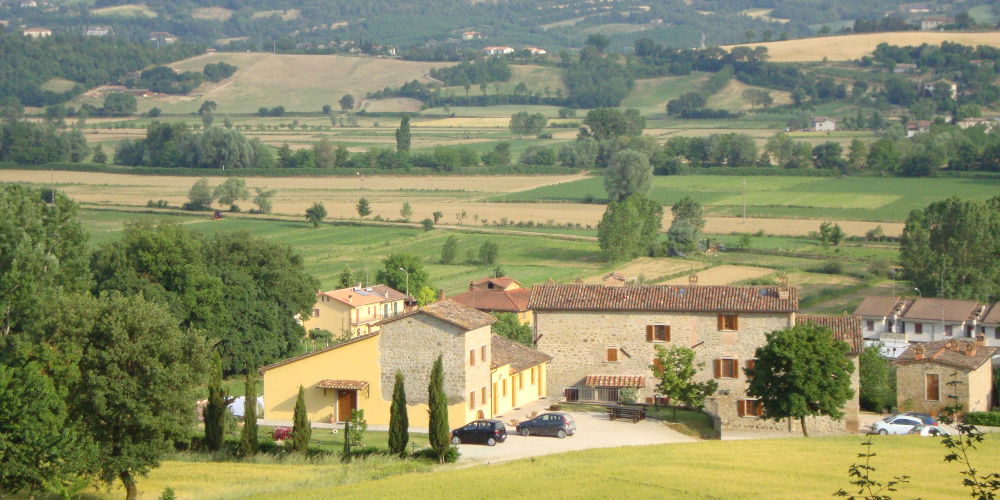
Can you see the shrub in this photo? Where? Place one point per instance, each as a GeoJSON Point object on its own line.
{"type": "Point", "coordinates": [157, 204]}
{"type": "Point", "coordinates": [555, 407]}
{"type": "Point", "coordinates": [831, 267]}
{"type": "Point", "coordinates": [450, 456]}
{"type": "Point", "coordinates": [427, 224]}
{"type": "Point", "coordinates": [989, 418]}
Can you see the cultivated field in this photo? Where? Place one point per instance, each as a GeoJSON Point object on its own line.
{"type": "Point", "coordinates": [781, 469]}
{"type": "Point", "coordinates": [724, 275]}
{"type": "Point", "coordinates": [216, 13]}
{"type": "Point", "coordinates": [849, 47]}
{"type": "Point", "coordinates": [129, 10]}
{"type": "Point", "coordinates": [297, 82]}
{"type": "Point", "coordinates": [649, 270]}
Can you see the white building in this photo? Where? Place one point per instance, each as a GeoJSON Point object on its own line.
{"type": "Point", "coordinates": [37, 32]}
{"type": "Point", "coordinates": [498, 50]}
{"type": "Point", "coordinates": [898, 322]}
{"type": "Point", "coordinates": [824, 124]}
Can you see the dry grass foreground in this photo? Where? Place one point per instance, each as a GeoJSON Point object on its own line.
{"type": "Point", "coordinates": [795, 468]}
{"type": "Point", "coordinates": [448, 194]}
{"type": "Point", "coordinates": [849, 47]}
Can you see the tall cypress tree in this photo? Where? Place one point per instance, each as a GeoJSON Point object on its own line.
{"type": "Point", "coordinates": [399, 422]}
{"type": "Point", "coordinates": [248, 438]}
{"type": "Point", "coordinates": [301, 431]}
{"type": "Point", "coordinates": [437, 401]}
{"type": "Point", "coordinates": [215, 410]}
{"type": "Point", "coordinates": [403, 134]}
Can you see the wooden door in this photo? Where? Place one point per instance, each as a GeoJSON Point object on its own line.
{"type": "Point", "coordinates": [346, 401]}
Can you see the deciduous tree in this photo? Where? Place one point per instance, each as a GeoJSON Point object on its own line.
{"type": "Point", "coordinates": [200, 196]}
{"type": "Point", "coordinates": [801, 372]}
{"type": "Point", "coordinates": [509, 326]}
{"type": "Point", "coordinates": [415, 278]}
{"type": "Point", "coordinates": [675, 369]}
{"type": "Point", "coordinates": [629, 173]}
{"type": "Point", "coordinates": [230, 191]}
{"type": "Point", "coordinates": [629, 228]}
{"type": "Point", "coordinates": [316, 213]}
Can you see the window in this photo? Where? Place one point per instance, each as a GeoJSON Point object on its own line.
{"type": "Point", "coordinates": [612, 356]}
{"type": "Point", "coordinates": [948, 330]}
{"type": "Point", "coordinates": [472, 400]}
{"type": "Point", "coordinates": [316, 312]}
{"type": "Point", "coordinates": [657, 333]}
{"type": "Point", "coordinates": [932, 383]}
{"type": "Point", "coordinates": [482, 354]}
{"type": "Point", "coordinates": [482, 393]}
{"type": "Point", "coordinates": [871, 325]}
{"type": "Point", "coordinates": [727, 368]}
{"type": "Point", "coordinates": [472, 357]}
{"type": "Point", "coordinates": [751, 364]}
{"type": "Point", "coordinates": [749, 408]}
{"type": "Point", "coordinates": [918, 328]}
{"type": "Point", "coordinates": [728, 322]}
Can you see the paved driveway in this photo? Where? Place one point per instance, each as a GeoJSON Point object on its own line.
{"type": "Point", "coordinates": [593, 430]}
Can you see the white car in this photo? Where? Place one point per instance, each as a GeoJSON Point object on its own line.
{"type": "Point", "coordinates": [896, 424]}
{"type": "Point", "coordinates": [930, 430]}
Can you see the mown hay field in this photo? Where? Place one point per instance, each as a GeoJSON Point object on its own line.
{"type": "Point", "coordinates": [793, 468]}
{"type": "Point", "coordinates": [724, 275]}
{"type": "Point", "coordinates": [849, 47]}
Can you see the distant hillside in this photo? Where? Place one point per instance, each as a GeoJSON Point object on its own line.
{"type": "Point", "coordinates": [848, 47]}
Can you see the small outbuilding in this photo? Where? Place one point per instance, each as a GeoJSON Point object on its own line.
{"type": "Point", "coordinates": [933, 375]}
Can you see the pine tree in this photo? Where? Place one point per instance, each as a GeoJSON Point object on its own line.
{"type": "Point", "coordinates": [364, 208]}
{"type": "Point", "coordinates": [301, 430]}
{"type": "Point", "coordinates": [345, 456]}
{"type": "Point", "coordinates": [215, 411]}
{"type": "Point", "coordinates": [347, 279]}
{"type": "Point", "coordinates": [248, 438]}
{"type": "Point", "coordinates": [398, 420]}
{"type": "Point", "coordinates": [437, 402]}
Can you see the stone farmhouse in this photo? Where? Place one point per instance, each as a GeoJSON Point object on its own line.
{"type": "Point", "coordinates": [356, 310]}
{"type": "Point", "coordinates": [484, 375]}
{"type": "Point", "coordinates": [602, 339]}
{"type": "Point", "coordinates": [497, 295]}
{"type": "Point", "coordinates": [933, 375]}
{"type": "Point", "coordinates": [897, 322]}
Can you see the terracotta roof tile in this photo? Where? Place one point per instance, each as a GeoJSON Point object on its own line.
{"type": "Point", "coordinates": [939, 353]}
{"type": "Point", "coordinates": [452, 312]}
{"type": "Point", "coordinates": [878, 306]}
{"type": "Point", "coordinates": [503, 282]}
{"type": "Point", "coordinates": [348, 385]}
{"type": "Point", "coordinates": [845, 328]}
{"type": "Point", "coordinates": [615, 381]}
{"type": "Point", "coordinates": [942, 309]}
{"type": "Point", "coordinates": [495, 300]}
{"type": "Point", "coordinates": [361, 296]}
{"type": "Point", "coordinates": [519, 357]}
{"type": "Point", "coordinates": [674, 298]}
{"type": "Point", "coordinates": [993, 316]}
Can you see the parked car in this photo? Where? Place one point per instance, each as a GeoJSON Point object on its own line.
{"type": "Point", "coordinates": [901, 423]}
{"type": "Point", "coordinates": [929, 430]}
{"type": "Point", "coordinates": [488, 432]}
{"type": "Point", "coordinates": [559, 425]}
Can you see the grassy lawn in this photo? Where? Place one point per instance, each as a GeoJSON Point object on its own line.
{"type": "Point", "coordinates": [860, 198]}
{"type": "Point", "coordinates": [774, 469]}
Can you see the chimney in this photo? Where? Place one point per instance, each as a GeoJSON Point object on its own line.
{"type": "Point", "coordinates": [783, 293]}
{"type": "Point", "coordinates": [970, 349]}
{"type": "Point", "coordinates": [692, 279]}
{"type": "Point", "coordinates": [918, 352]}
{"type": "Point", "coordinates": [440, 294]}
{"type": "Point", "coordinates": [980, 339]}
{"type": "Point", "coordinates": [350, 299]}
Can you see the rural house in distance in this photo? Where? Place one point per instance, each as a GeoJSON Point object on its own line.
{"type": "Point", "coordinates": [602, 338]}
{"type": "Point", "coordinates": [356, 310]}
{"type": "Point", "coordinates": [485, 375]}
{"type": "Point", "coordinates": [896, 322]}
{"type": "Point", "coordinates": [933, 375]}
{"type": "Point", "coordinates": [497, 295]}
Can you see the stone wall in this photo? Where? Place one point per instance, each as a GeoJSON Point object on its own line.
{"type": "Point", "coordinates": [411, 345]}
{"type": "Point", "coordinates": [911, 394]}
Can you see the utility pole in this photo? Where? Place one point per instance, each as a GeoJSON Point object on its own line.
{"type": "Point", "coordinates": [744, 200]}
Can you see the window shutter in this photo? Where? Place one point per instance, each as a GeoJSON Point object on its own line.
{"type": "Point", "coordinates": [649, 333]}
{"type": "Point", "coordinates": [736, 322]}
{"type": "Point", "coordinates": [751, 364]}
{"type": "Point", "coordinates": [718, 368]}
{"type": "Point", "coordinates": [741, 407]}
{"type": "Point", "coordinates": [667, 328]}
{"type": "Point", "coordinates": [722, 322]}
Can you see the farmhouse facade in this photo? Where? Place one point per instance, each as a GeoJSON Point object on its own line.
{"type": "Point", "coordinates": [933, 375]}
{"type": "Point", "coordinates": [484, 375]}
{"type": "Point", "coordinates": [602, 339]}
{"type": "Point", "coordinates": [355, 311]}
{"type": "Point", "coordinates": [901, 321]}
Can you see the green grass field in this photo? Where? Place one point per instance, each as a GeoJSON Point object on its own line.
{"type": "Point", "coordinates": [856, 198]}
{"type": "Point", "coordinates": [328, 250]}
{"type": "Point", "coordinates": [773, 469]}
{"type": "Point", "coordinates": [651, 95]}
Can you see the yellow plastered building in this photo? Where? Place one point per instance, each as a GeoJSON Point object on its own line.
{"type": "Point", "coordinates": [355, 310]}
{"type": "Point", "coordinates": [360, 373]}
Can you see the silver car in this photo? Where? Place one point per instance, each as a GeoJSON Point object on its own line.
{"type": "Point", "coordinates": [896, 424]}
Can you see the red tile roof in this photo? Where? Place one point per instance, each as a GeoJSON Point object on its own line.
{"type": "Point", "coordinates": [673, 298]}
{"type": "Point", "coordinates": [845, 328]}
{"type": "Point", "coordinates": [452, 312]}
{"type": "Point", "coordinates": [348, 385]}
{"type": "Point", "coordinates": [942, 310]}
{"type": "Point", "coordinates": [503, 282]}
{"type": "Point", "coordinates": [949, 353]}
{"type": "Point", "coordinates": [993, 316]}
{"type": "Point", "coordinates": [878, 306]}
{"type": "Point", "coordinates": [495, 300]}
{"type": "Point", "coordinates": [520, 357]}
{"type": "Point", "coordinates": [615, 381]}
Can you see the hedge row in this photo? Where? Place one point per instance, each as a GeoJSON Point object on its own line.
{"type": "Point", "coordinates": [291, 172]}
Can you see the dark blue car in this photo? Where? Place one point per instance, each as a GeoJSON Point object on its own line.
{"type": "Point", "coordinates": [488, 432]}
{"type": "Point", "coordinates": [559, 425]}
